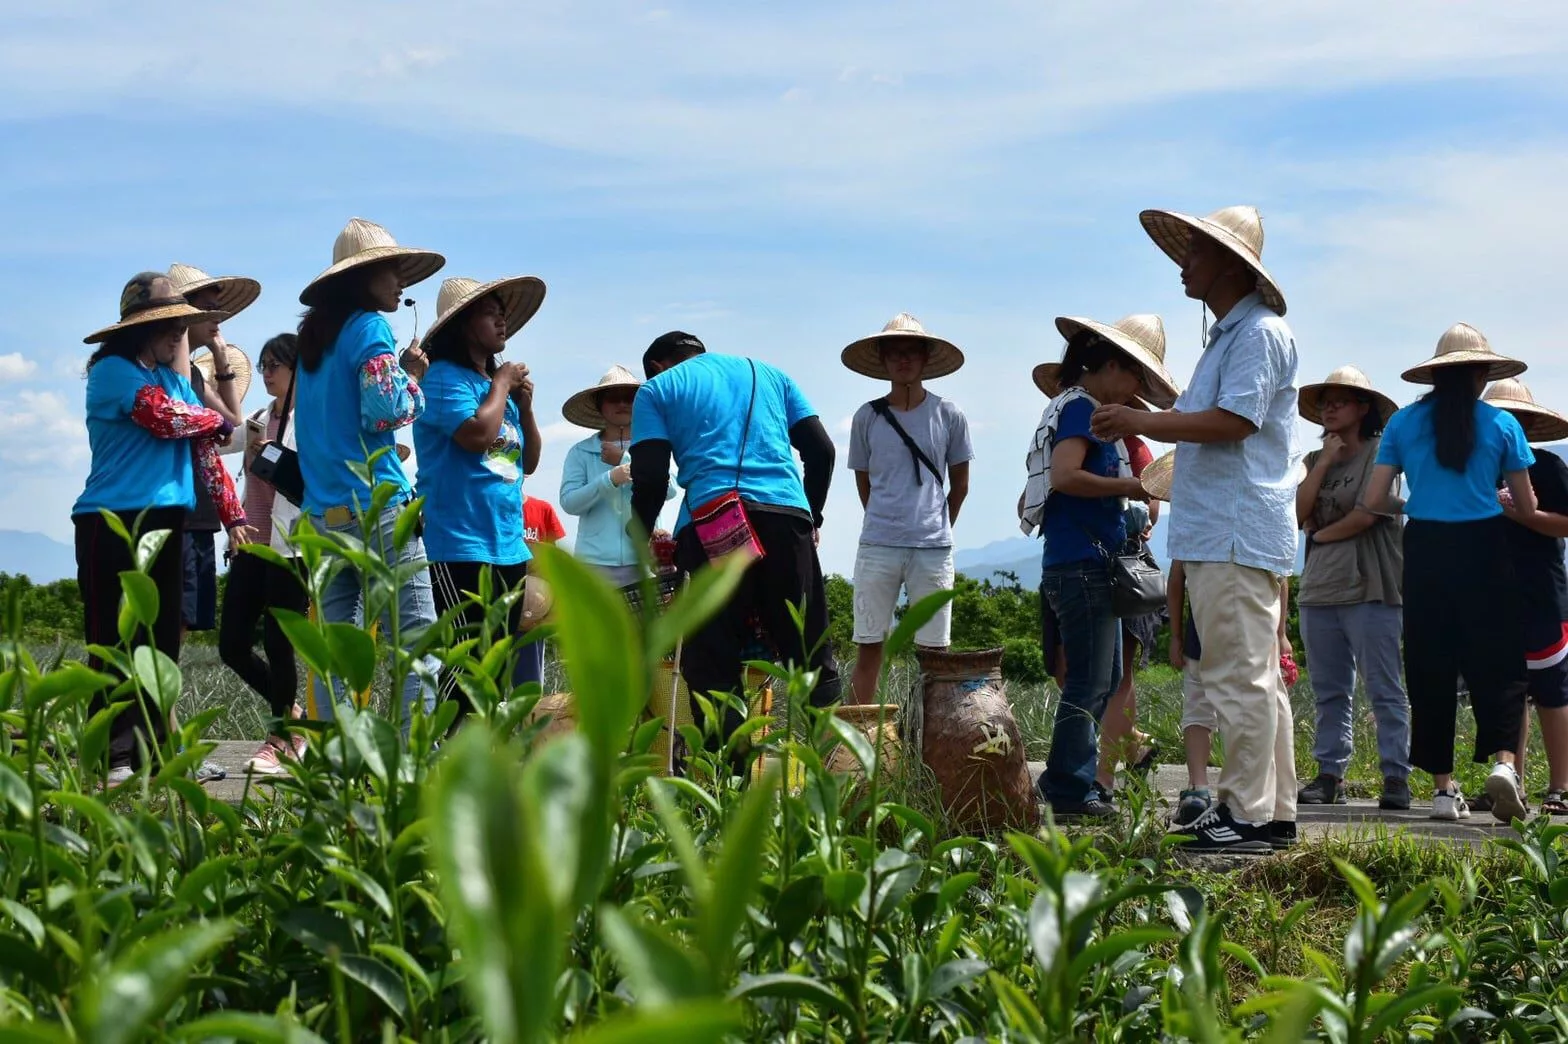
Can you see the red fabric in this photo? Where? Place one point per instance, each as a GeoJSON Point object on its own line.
{"type": "Point", "coordinates": [220, 484]}
{"type": "Point", "coordinates": [170, 418]}
{"type": "Point", "coordinates": [1139, 455]}
{"type": "Point", "coordinates": [541, 525]}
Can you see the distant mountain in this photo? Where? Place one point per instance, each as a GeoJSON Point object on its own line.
{"type": "Point", "coordinates": [1021, 556]}
{"type": "Point", "coordinates": [41, 559]}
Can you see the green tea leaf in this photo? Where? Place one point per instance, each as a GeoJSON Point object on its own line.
{"type": "Point", "coordinates": [795, 988]}
{"type": "Point", "coordinates": [25, 919]}
{"type": "Point", "coordinates": [138, 987]}
{"type": "Point", "coordinates": [842, 888]}
{"type": "Point", "coordinates": [706, 1022]}
{"type": "Point", "coordinates": [15, 791]}
{"type": "Point", "coordinates": [737, 873]}
{"type": "Point", "coordinates": [141, 594]}
{"type": "Point", "coordinates": [661, 972]}
{"type": "Point", "coordinates": [379, 979]}
{"type": "Point", "coordinates": [307, 640]}
{"type": "Point", "coordinates": [246, 1026]}
{"type": "Point", "coordinates": [954, 975]}
{"type": "Point", "coordinates": [706, 593]}
{"type": "Point", "coordinates": [914, 618]}
{"type": "Point", "coordinates": [158, 675]}
{"type": "Point", "coordinates": [353, 653]}
{"type": "Point", "coordinates": [796, 906]}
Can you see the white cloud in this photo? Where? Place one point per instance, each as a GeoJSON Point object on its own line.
{"type": "Point", "coordinates": [39, 428]}
{"type": "Point", "coordinates": [16, 367]}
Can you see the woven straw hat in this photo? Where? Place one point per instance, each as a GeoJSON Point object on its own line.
{"type": "Point", "coordinates": [238, 362]}
{"type": "Point", "coordinates": [1464, 345]}
{"type": "Point", "coordinates": [1540, 424]}
{"type": "Point", "coordinates": [150, 297]}
{"type": "Point", "coordinates": [364, 243]}
{"type": "Point", "coordinates": [1158, 475]}
{"type": "Point", "coordinates": [520, 297]}
{"type": "Point", "coordinates": [1237, 229]}
{"type": "Point", "coordinates": [865, 355]}
{"type": "Point", "coordinates": [580, 408]}
{"type": "Point", "coordinates": [1142, 337]}
{"type": "Point", "coordinates": [235, 293]}
{"type": "Point", "coordinates": [1309, 401]}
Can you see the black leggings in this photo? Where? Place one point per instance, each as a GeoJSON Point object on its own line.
{"type": "Point", "coordinates": [254, 587]}
{"type": "Point", "coordinates": [1461, 617]}
{"type": "Point", "coordinates": [448, 582]}
{"type": "Point", "coordinates": [101, 556]}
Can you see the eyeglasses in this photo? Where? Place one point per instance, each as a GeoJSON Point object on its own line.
{"type": "Point", "coordinates": [268, 365]}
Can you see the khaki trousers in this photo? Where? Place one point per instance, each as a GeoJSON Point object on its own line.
{"type": "Point", "coordinates": [1236, 610]}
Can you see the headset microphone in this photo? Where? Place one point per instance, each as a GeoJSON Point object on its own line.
{"type": "Point", "coordinates": [408, 302]}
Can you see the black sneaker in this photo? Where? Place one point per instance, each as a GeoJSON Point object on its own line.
{"type": "Point", "coordinates": [1282, 834]}
{"type": "Point", "coordinates": [1217, 831]}
{"type": "Point", "coordinates": [1092, 807]}
{"type": "Point", "coordinates": [1396, 794]}
{"type": "Point", "coordinates": [1193, 803]}
{"type": "Point", "coordinates": [1325, 790]}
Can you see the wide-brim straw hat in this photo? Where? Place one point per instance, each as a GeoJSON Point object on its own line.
{"type": "Point", "coordinates": [1237, 229]}
{"type": "Point", "coordinates": [865, 355]}
{"type": "Point", "coordinates": [364, 243]}
{"type": "Point", "coordinates": [1464, 345]}
{"type": "Point", "coordinates": [1540, 424]}
{"type": "Point", "coordinates": [520, 298]}
{"type": "Point", "coordinates": [1158, 475]}
{"type": "Point", "coordinates": [235, 293]}
{"type": "Point", "coordinates": [581, 410]}
{"type": "Point", "coordinates": [1309, 401]}
{"type": "Point", "coordinates": [238, 362]}
{"type": "Point", "coordinates": [150, 297]}
{"type": "Point", "coordinates": [1141, 337]}
{"type": "Point", "coordinates": [1048, 378]}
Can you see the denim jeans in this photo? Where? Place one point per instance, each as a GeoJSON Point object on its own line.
{"type": "Point", "coordinates": [1080, 595]}
{"type": "Point", "coordinates": [1342, 640]}
{"type": "Point", "coordinates": [343, 602]}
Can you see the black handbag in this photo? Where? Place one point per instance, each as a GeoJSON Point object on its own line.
{"type": "Point", "coordinates": [278, 465]}
{"type": "Point", "coordinates": [1137, 583]}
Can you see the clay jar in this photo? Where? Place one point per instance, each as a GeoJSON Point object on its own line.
{"type": "Point", "coordinates": [971, 741]}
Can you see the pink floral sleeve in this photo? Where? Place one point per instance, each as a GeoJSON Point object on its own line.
{"type": "Point", "coordinates": [211, 473]}
{"type": "Point", "coordinates": [170, 418]}
{"type": "Point", "coordinates": [388, 397]}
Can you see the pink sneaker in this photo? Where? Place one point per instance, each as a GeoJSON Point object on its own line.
{"type": "Point", "coordinates": [268, 761]}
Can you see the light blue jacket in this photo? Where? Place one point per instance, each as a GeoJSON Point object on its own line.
{"type": "Point", "coordinates": [602, 508]}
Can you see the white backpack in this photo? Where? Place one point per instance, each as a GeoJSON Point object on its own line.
{"type": "Point", "coordinates": [1038, 460]}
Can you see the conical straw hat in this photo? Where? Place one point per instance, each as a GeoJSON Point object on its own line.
{"type": "Point", "coordinates": [1237, 229]}
{"type": "Point", "coordinates": [235, 293]}
{"type": "Point", "coordinates": [520, 297]}
{"type": "Point", "coordinates": [865, 355]}
{"type": "Point", "coordinates": [1309, 401]}
{"type": "Point", "coordinates": [1141, 336]}
{"type": "Point", "coordinates": [238, 362]}
{"type": "Point", "coordinates": [150, 297]}
{"type": "Point", "coordinates": [580, 408]}
{"type": "Point", "coordinates": [364, 243]}
{"type": "Point", "coordinates": [1158, 475]}
{"type": "Point", "coordinates": [1540, 424]}
{"type": "Point", "coordinates": [1464, 345]}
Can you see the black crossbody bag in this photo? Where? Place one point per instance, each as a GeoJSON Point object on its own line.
{"type": "Point", "coordinates": [278, 465]}
{"type": "Point", "coordinates": [884, 408]}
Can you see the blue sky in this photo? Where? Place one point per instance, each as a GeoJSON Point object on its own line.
{"type": "Point", "coordinates": [781, 180]}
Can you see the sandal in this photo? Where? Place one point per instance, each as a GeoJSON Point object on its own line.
{"type": "Point", "coordinates": [1554, 804]}
{"type": "Point", "coordinates": [1146, 761]}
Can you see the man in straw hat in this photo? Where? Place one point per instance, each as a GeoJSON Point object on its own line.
{"type": "Point", "coordinates": [1233, 525]}
{"type": "Point", "coordinates": [732, 426]}
{"type": "Point", "coordinates": [1536, 546]}
{"type": "Point", "coordinates": [910, 452]}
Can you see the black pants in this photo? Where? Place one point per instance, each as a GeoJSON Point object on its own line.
{"type": "Point", "coordinates": [101, 556]}
{"type": "Point", "coordinates": [448, 581]}
{"type": "Point", "coordinates": [256, 586]}
{"type": "Point", "coordinates": [1461, 616]}
{"type": "Point", "coordinates": [788, 573]}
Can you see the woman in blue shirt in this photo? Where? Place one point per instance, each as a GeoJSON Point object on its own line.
{"type": "Point", "coordinates": [1090, 482]}
{"type": "Point", "coordinates": [350, 396]}
{"type": "Point", "coordinates": [142, 421]}
{"type": "Point", "coordinates": [1460, 603]}
{"type": "Point", "coordinates": [596, 480]}
{"type": "Point", "coordinates": [476, 441]}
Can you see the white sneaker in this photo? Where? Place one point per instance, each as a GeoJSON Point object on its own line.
{"type": "Point", "coordinates": [1502, 786]}
{"type": "Point", "coordinates": [119, 775]}
{"type": "Point", "coordinates": [1449, 805]}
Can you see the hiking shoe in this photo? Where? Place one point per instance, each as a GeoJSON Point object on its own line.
{"type": "Point", "coordinates": [1282, 834]}
{"type": "Point", "coordinates": [1325, 790]}
{"type": "Point", "coordinates": [1091, 807]}
{"type": "Point", "coordinates": [1502, 786]}
{"type": "Point", "coordinates": [1218, 831]}
{"type": "Point", "coordinates": [1192, 804]}
{"type": "Point", "coordinates": [1396, 794]}
{"type": "Point", "coordinates": [1449, 805]}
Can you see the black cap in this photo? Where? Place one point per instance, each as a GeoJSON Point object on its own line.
{"type": "Point", "coordinates": [665, 347]}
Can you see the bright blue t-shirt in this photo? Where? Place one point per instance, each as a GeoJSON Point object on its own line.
{"type": "Point", "coordinates": [1072, 524]}
{"type": "Point", "coordinates": [1438, 494]}
{"type": "Point", "coordinates": [327, 421]}
{"type": "Point", "coordinates": [131, 467]}
{"type": "Point", "coordinates": [473, 501]}
{"type": "Point", "coordinates": [699, 407]}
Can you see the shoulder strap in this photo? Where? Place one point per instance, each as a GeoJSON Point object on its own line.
{"type": "Point", "coordinates": [288, 410]}
{"type": "Point", "coordinates": [884, 409]}
{"type": "Point", "coordinates": [745, 432]}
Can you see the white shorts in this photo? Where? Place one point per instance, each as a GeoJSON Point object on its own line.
{"type": "Point", "coordinates": [1196, 707]}
{"type": "Point", "coordinates": [882, 572]}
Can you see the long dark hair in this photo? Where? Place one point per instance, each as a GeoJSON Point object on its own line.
{"type": "Point", "coordinates": [129, 342]}
{"type": "Point", "coordinates": [451, 343]}
{"type": "Point", "coordinates": [320, 325]}
{"type": "Point", "coordinates": [1087, 352]}
{"type": "Point", "coordinates": [1453, 395]}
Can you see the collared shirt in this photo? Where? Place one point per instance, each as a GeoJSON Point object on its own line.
{"type": "Point", "coordinates": [1236, 501]}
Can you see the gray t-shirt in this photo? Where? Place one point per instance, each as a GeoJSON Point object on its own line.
{"type": "Point", "coordinates": [900, 511]}
{"type": "Point", "coordinates": [1367, 568]}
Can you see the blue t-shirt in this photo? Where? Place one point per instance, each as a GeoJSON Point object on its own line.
{"type": "Point", "coordinates": [699, 407]}
{"type": "Point", "coordinates": [131, 467]}
{"type": "Point", "coordinates": [1071, 524]}
{"type": "Point", "coordinates": [473, 501]}
{"type": "Point", "coordinates": [327, 420]}
{"type": "Point", "coordinates": [1438, 494]}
